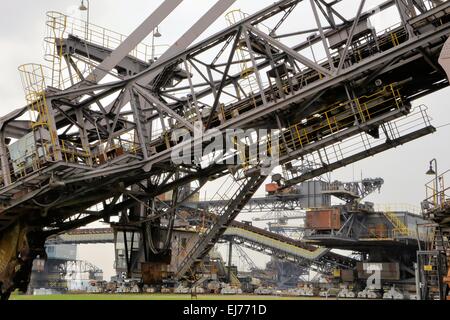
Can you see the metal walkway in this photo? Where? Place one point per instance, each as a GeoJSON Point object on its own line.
{"type": "Point", "coordinates": [319, 259]}
{"type": "Point", "coordinates": [90, 157]}
{"type": "Point", "coordinates": [243, 234]}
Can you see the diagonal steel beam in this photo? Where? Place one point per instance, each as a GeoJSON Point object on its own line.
{"type": "Point", "coordinates": [332, 10]}
{"type": "Point", "coordinates": [133, 40]}
{"type": "Point", "coordinates": [324, 14]}
{"type": "Point", "coordinates": [165, 61]}
{"type": "Point", "coordinates": [294, 54]}
{"type": "Point", "coordinates": [191, 35]}
{"type": "Point", "coordinates": [350, 36]}
{"type": "Point", "coordinates": [162, 107]}
{"type": "Point", "coordinates": [225, 74]}
{"type": "Point", "coordinates": [183, 42]}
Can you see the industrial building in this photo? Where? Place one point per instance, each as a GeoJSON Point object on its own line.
{"type": "Point", "coordinates": [130, 134]}
{"type": "Point", "coordinates": [62, 272]}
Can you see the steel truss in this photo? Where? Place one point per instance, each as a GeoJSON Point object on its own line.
{"type": "Point", "coordinates": [107, 143]}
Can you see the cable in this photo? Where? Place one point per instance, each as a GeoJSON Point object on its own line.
{"type": "Point", "coordinates": [444, 125]}
{"type": "Point", "coordinates": [46, 205]}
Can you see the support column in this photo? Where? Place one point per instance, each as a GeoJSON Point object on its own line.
{"type": "Point", "coordinates": [402, 9]}
{"type": "Point", "coordinates": [418, 291]}
{"type": "Point", "coordinates": [83, 135]}
{"type": "Point", "coordinates": [230, 257]}
{"type": "Point", "coordinates": [6, 174]}
{"type": "Point", "coordinates": [53, 131]}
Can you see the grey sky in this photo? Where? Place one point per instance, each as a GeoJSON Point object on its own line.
{"type": "Point", "coordinates": [22, 29]}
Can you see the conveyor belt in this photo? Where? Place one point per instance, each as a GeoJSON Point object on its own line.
{"type": "Point", "coordinates": [296, 249]}
{"type": "Point", "coordinates": [293, 248]}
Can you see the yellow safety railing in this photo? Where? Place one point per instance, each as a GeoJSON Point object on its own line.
{"type": "Point", "coordinates": [399, 227]}
{"type": "Point", "coordinates": [101, 36]}
{"type": "Point", "coordinates": [47, 145]}
{"type": "Point", "coordinates": [74, 152]}
{"type": "Point", "coordinates": [71, 153]}
{"type": "Point", "coordinates": [438, 193]}
{"type": "Point", "coordinates": [56, 27]}
{"type": "Point", "coordinates": [234, 280]}
{"type": "Point", "coordinates": [398, 207]}
{"type": "Point", "coordinates": [394, 39]}
{"type": "Point", "coordinates": [34, 84]}
{"type": "Point", "coordinates": [337, 117]}
{"type": "Point", "coordinates": [395, 234]}
{"type": "Point", "coordinates": [124, 144]}
{"type": "Point", "coordinates": [19, 165]}
{"type": "Point", "coordinates": [388, 37]}
{"type": "Point", "coordinates": [59, 26]}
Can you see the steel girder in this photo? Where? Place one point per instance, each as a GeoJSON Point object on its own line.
{"type": "Point", "coordinates": [50, 193]}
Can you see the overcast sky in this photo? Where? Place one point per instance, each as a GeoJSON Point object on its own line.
{"type": "Point", "coordinates": [22, 29]}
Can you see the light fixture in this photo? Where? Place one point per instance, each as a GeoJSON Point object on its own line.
{"type": "Point", "coordinates": [157, 34]}
{"type": "Point", "coordinates": [82, 7]}
{"type": "Point", "coordinates": [430, 171]}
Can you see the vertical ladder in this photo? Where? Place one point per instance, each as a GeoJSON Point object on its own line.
{"type": "Point", "coordinates": [442, 245]}
{"type": "Point", "coordinates": [226, 215]}
{"type": "Point", "coordinates": [439, 241]}
{"type": "Point", "coordinates": [431, 272]}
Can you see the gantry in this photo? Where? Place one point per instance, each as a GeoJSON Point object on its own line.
{"type": "Point", "coordinates": [99, 142]}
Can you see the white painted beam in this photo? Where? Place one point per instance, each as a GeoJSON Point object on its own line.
{"type": "Point", "coordinates": [190, 36]}
{"type": "Point", "coordinates": [133, 40]}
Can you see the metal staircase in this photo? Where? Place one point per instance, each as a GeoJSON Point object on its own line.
{"type": "Point", "coordinates": [432, 270]}
{"type": "Point", "coordinates": [439, 243]}
{"type": "Point", "coordinates": [320, 259]}
{"type": "Point", "coordinates": [317, 127]}
{"type": "Point", "coordinates": [433, 266]}
{"type": "Point", "coordinates": [242, 195]}
{"type": "Point", "coordinates": [399, 227]}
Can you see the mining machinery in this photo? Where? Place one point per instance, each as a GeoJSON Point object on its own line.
{"type": "Point", "coordinates": [433, 259]}
{"type": "Point", "coordinates": [105, 128]}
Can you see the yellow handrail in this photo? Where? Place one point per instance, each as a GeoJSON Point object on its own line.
{"type": "Point", "coordinates": [338, 116]}
{"type": "Point", "coordinates": [438, 199]}
{"type": "Point", "coordinates": [399, 226]}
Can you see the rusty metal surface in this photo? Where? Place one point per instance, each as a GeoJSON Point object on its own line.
{"type": "Point", "coordinates": [14, 256]}
{"type": "Point", "coordinates": [347, 275]}
{"type": "Point", "coordinates": [271, 187]}
{"type": "Point", "coordinates": [389, 271]}
{"type": "Point", "coordinates": [328, 219]}
{"type": "Point", "coordinates": [153, 272]}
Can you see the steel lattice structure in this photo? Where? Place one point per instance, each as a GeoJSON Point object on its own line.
{"type": "Point", "coordinates": [101, 146]}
